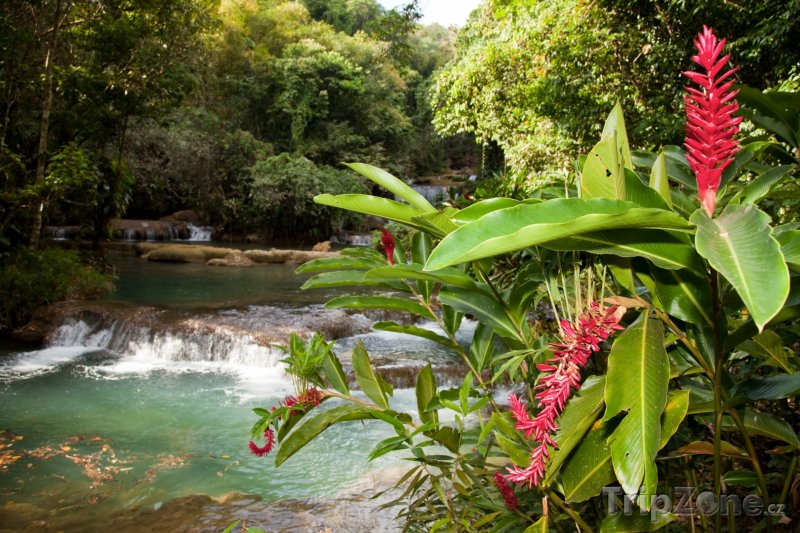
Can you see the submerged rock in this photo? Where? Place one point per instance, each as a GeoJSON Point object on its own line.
{"type": "Point", "coordinates": [236, 259]}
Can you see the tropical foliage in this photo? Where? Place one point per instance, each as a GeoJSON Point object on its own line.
{"type": "Point", "coordinates": [643, 314]}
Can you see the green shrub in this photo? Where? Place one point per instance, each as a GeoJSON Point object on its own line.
{"type": "Point", "coordinates": [32, 279]}
{"type": "Point", "coordinates": [283, 193]}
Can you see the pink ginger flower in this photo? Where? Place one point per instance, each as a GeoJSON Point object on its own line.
{"type": "Point", "coordinates": [509, 498]}
{"type": "Point", "coordinates": [560, 375]}
{"type": "Point", "coordinates": [269, 443]}
{"type": "Point", "coordinates": [388, 245]}
{"type": "Point", "coordinates": [710, 125]}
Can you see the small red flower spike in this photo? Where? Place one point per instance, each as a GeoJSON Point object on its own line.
{"type": "Point", "coordinates": [710, 125]}
{"type": "Point", "coordinates": [388, 245]}
{"type": "Point", "coordinates": [269, 438]}
{"type": "Point", "coordinates": [509, 498]}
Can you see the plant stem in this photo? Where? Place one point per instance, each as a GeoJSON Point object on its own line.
{"type": "Point", "coordinates": [751, 451]}
{"type": "Point", "coordinates": [718, 370]}
{"type": "Point", "coordinates": [570, 512]}
{"type": "Point", "coordinates": [788, 483]}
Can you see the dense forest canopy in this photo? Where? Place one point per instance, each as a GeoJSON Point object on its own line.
{"type": "Point", "coordinates": [117, 107]}
{"type": "Point", "coordinates": [538, 77]}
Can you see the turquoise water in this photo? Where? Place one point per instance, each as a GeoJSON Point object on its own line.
{"type": "Point", "coordinates": [88, 431]}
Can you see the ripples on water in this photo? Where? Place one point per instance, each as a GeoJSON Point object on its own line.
{"type": "Point", "coordinates": [144, 426]}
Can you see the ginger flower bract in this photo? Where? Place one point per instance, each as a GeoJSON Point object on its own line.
{"type": "Point", "coordinates": [269, 443]}
{"type": "Point", "coordinates": [560, 375]}
{"type": "Point", "coordinates": [710, 126]}
{"type": "Point", "coordinates": [387, 240]}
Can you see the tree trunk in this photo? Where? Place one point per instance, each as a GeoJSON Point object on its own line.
{"type": "Point", "coordinates": [44, 125]}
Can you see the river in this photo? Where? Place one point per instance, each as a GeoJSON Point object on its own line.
{"type": "Point", "coordinates": [136, 416]}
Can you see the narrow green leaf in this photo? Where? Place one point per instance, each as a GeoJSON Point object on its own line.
{"type": "Point", "coordinates": [683, 295]}
{"type": "Point", "coordinates": [740, 246]}
{"type": "Point", "coordinates": [334, 373]}
{"type": "Point", "coordinates": [790, 246]}
{"type": "Point", "coordinates": [393, 185]}
{"type": "Point", "coordinates": [579, 414]}
{"type": "Point", "coordinates": [483, 306]}
{"type": "Point", "coordinates": [635, 522]}
{"type": "Point", "coordinates": [478, 209]}
{"type": "Point", "coordinates": [518, 455]}
{"type": "Point", "coordinates": [766, 425]}
{"type": "Point", "coordinates": [677, 166]}
{"type": "Point", "coordinates": [369, 383]}
{"type": "Point", "coordinates": [371, 205]}
{"type": "Point", "coordinates": [774, 387]}
{"type": "Point", "coordinates": [659, 180]}
{"type": "Point", "coordinates": [769, 346]}
{"type": "Point", "coordinates": [482, 348]}
{"type": "Point", "coordinates": [447, 276]}
{"type": "Point", "coordinates": [339, 263]}
{"type": "Point", "coordinates": [380, 302]}
{"type": "Point", "coordinates": [637, 380]}
{"type": "Point", "coordinates": [533, 224]}
{"type": "Point", "coordinates": [674, 413]}
{"type": "Point", "coordinates": [665, 249]}
{"type": "Point", "coordinates": [348, 278]}
{"type": "Point", "coordinates": [426, 389]}
{"type": "Point", "coordinates": [413, 330]}
{"type": "Point", "coordinates": [312, 427]}
{"type": "Point", "coordinates": [760, 187]}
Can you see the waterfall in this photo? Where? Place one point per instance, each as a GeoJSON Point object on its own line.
{"type": "Point", "coordinates": [199, 233]}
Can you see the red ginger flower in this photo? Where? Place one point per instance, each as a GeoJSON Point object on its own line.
{"type": "Point", "coordinates": [710, 126]}
{"type": "Point", "coordinates": [388, 245]}
{"type": "Point", "coordinates": [509, 498]}
{"type": "Point", "coordinates": [269, 443]}
{"type": "Point", "coordinates": [559, 376]}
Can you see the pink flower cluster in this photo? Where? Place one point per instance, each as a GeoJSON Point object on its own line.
{"type": "Point", "coordinates": [710, 126]}
{"type": "Point", "coordinates": [293, 404]}
{"type": "Point", "coordinates": [559, 376]}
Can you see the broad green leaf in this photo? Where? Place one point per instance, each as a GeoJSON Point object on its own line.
{"type": "Point", "coordinates": [413, 330]}
{"type": "Point", "coordinates": [312, 427]}
{"type": "Point", "coordinates": [769, 346]}
{"type": "Point", "coordinates": [603, 173]}
{"type": "Point", "coordinates": [740, 246]}
{"type": "Point", "coordinates": [334, 373]}
{"type": "Point", "coordinates": [659, 180]}
{"type": "Point", "coordinates": [349, 278]}
{"type": "Point", "coordinates": [478, 209]}
{"type": "Point", "coordinates": [767, 111]}
{"type": "Point", "coordinates": [635, 522]}
{"type": "Point", "coordinates": [437, 224]}
{"type": "Point", "coordinates": [534, 224]}
{"type": "Point", "coordinates": [615, 125]}
{"type": "Point", "coordinates": [579, 414]}
{"type": "Point", "coordinates": [790, 246]}
{"type": "Point", "coordinates": [622, 271]}
{"type": "Point", "coordinates": [666, 250]}
{"type": "Point", "coordinates": [683, 295]}
{"type": "Point", "coordinates": [637, 379]}
{"type": "Point", "coordinates": [674, 413]}
{"type": "Point", "coordinates": [540, 526]}
{"type": "Point", "coordinates": [766, 425]}
{"type": "Point", "coordinates": [760, 187]}
{"type": "Point", "coordinates": [677, 166]}
{"type": "Point", "coordinates": [485, 307]}
{"type": "Point", "coordinates": [380, 302]}
{"type": "Point", "coordinates": [366, 378]}
{"type": "Point", "coordinates": [393, 185]}
{"type": "Point", "coordinates": [371, 205]}
{"type": "Point", "coordinates": [447, 276]}
{"type": "Point", "coordinates": [339, 263]}
{"type": "Point", "coordinates": [773, 387]}
{"type": "Point", "coordinates": [426, 389]}
{"type": "Point", "coordinates": [639, 193]}
{"type": "Point", "coordinates": [589, 467]}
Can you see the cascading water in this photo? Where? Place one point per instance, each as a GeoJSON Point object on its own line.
{"type": "Point", "coordinates": [199, 233]}
{"type": "Point", "coordinates": [135, 405]}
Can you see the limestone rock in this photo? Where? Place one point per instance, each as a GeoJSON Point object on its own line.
{"type": "Point", "coordinates": [324, 246]}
